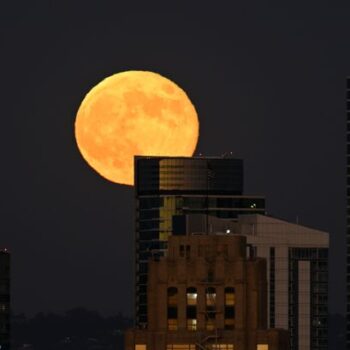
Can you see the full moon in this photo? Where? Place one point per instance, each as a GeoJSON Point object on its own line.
{"type": "Point", "coordinates": [134, 113]}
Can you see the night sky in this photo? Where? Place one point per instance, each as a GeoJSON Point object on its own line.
{"type": "Point", "coordinates": [268, 83]}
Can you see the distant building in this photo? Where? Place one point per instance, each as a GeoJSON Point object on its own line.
{"type": "Point", "coordinates": [169, 188]}
{"type": "Point", "coordinates": [207, 294]}
{"type": "Point", "coordinates": [297, 272]}
{"type": "Point", "coordinates": [4, 300]}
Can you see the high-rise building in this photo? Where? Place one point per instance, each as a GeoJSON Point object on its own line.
{"type": "Point", "coordinates": [4, 300]}
{"type": "Point", "coordinates": [348, 217]}
{"type": "Point", "coordinates": [206, 294]}
{"type": "Point", "coordinates": [297, 272]}
{"type": "Point", "coordinates": [168, 188]}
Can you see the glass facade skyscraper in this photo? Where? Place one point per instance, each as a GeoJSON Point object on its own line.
{"type": "Point", "coordinates": [167, 189]}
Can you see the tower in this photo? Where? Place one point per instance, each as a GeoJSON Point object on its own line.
{"type": "Point", "coordinates": [206, 294]}
{"type": "Point", "coordinates": [297, 273]}
{"type": "Point", "coordinates": [169, 188]}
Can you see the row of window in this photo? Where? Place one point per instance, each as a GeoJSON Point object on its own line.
{"type": "Point", "coordinates": [207, 346]}
{"type": "Point", "coordinates": [195, 202]}
{"type": "Point", "coordinates": [191, 308]}
{"type": "Point", "coordinates": [191, 296]}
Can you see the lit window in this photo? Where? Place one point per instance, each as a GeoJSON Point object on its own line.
{"type": "Point", "coordinates": [229, 308]}
{"type": "Point", "coordinates": [192, 324]}
{"type": "Point", "coordinates": [229, 296]}
{"type": "Point", "coordinates": [140, 347]}
{"type": "Point", "coordinates": [172, 324]}
{"type": "Point", "coordinates": [191, 296]}
{"type": "Point", "coordinates": [180, 347]}
{"type": "Point", "coordinates": [222, 347]}
{"type": "Point", "coordinates": [262, 347]}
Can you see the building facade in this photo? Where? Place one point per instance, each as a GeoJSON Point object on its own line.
{"type": "Point", "coordinates": [4, 300]}
{"type": "Point", "coordinates": [206, 294]}
{"type": "Point", "coordinates": [169, 188]}
{"type": "Point", "coordinates": [297, 273]}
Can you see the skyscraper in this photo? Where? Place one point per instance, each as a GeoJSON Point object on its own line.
{"type": "Point", "coordinates": [168, 188]}
{"type": "Point", "coordinates": [206, 294]}
{"type": "Point", "coordinates": [4, 300]}
{"type": "Point", "coordinates": [348, 216]}
{"type": "Point", "coordinates": [297, 273]}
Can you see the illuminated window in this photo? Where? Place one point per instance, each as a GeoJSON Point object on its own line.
{"type": "Point", "coordinates": [222, 347]}
{"type": "Point", "coordinates": [180, 347]}
{"type": "Point", "coordinates": [191, 296]}
{"type": "Point", "coordinates": [191, 308]}
{"type": "Point", "coordinates": [192, 324]}
{"type": "Point", "coordinates": [262, 347]}
{"type": "Point", "coordinates": [140, 347]}
{"type": "Point", "coordinates": [229, 296]}
{"type": "Point", "coordinates": [172, 324]}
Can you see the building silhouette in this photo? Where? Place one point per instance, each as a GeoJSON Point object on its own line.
{"type": "Point", "coordinates": [4, 300]}
{"type": "Point", "coordinates": [207, 294]}
{"type": "Point", "coordinates": [168, 188]}
{"type": "Point", "coordinates": [297, 272]}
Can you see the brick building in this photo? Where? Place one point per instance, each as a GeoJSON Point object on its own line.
{"type": "Point", "coordinates": [207, 294]}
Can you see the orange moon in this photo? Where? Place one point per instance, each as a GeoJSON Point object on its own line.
{"type": "Point", "coordinates": [134, 113]}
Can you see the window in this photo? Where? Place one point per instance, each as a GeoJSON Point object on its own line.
{"type": "Point", "coordinates": [172, 324]}
{"type": "Point", "coordinates": [140, 347]}
{"type": "Point", "coordinates": [172, 309]}
{"type": "Point", "coordinates": [229, 296]}
{"type": "Point", "coordinates": [191, 308]}
{"type": "Point", "coordinates": [210, 296]}
{"type": "Point", "coordinates": [210, 324]}
{"type": "Point", "coordinates": [210, 308]}
{"type": "Point", "coordinates": [180, 347]}
{"type": "Point", "coordinates": [191, 324]}
{"type": "Point", "coordinates": [262, 347]}
{"type": "Point", "coordinates": [222, 347]}
{"type": "Point", "coordinates": [182, 250]}
{"type": "Point", "coordinates": [185, 251]}
{"type": "Point", "coordinates": [230, 308]}
{"type": "Point", "coordinates": [172, 296]}
{"type": "Point", "coordinates": [191, 296]}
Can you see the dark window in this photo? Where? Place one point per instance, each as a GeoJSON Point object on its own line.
{"type": "Point", "coordinates": [191, 312]}
{"type": "Point", "coordinates": [179, 225]}
{"type": "Point", "coordinates": [172, 312]}
{"type": "Point", "coordinates": [229, 312]}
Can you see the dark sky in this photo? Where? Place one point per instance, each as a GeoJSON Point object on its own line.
{"type": "Point", "coordinates": [268, 82]}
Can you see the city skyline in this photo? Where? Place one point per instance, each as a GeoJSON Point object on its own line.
{"type": "Point", "coordinates": [273, 94]}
